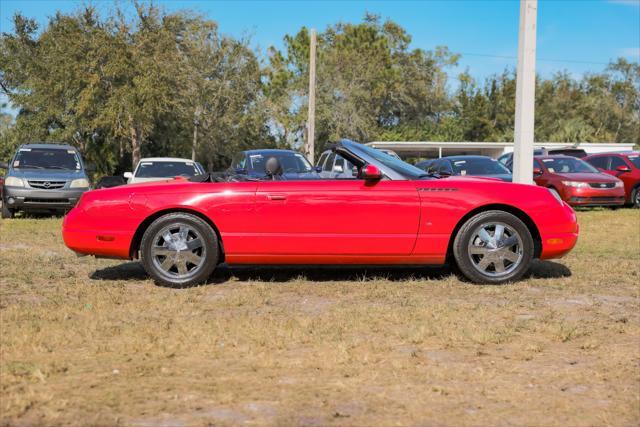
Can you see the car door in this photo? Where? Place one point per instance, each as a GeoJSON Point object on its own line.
{"type": "Point", "coordinates": [336, 217]}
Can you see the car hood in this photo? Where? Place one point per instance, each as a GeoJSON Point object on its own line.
{"type": "Point", "coordinates": [587, 177]}
{"type": "Point", "coordinates": [47, 174]}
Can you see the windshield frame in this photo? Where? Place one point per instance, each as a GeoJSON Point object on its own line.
{"type": "Point", "coordinates": [390, 163]}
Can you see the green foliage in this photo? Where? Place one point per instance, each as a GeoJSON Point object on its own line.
{"type": "Point", "coordinates": [163, 84]}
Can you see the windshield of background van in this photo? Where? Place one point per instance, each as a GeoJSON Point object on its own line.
{"type": "Point", "coordinates": [46, 158]}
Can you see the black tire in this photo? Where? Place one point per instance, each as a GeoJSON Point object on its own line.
{"type": "Point", "coordinates": [160, 267]}
{"type": "Point", "coordinates": [635, 197]}
{"type": "Point", "coordinates": [6, 212]}
{"type": "Point", "coordinates": [469, 249]}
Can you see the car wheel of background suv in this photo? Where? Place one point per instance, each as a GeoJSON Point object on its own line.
{"type": "Point", "coordinates": [179, 250]}
{"type": "Point", "coordinates": [6, 212]}
{"type": "Point", "coordinates": [493, 247]}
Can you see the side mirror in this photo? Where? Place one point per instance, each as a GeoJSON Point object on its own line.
{"type": "Point", "coordinates": [128, 175]}
{"type": "Point", "coordinates": [371, 173]}
{"type": "Point", "coordinates": [537, 171]}
{"type": "Point", "coordinates": [338, 169]}
{"type": "Point", "coordinates": [4, 165]}
{"type": "Point", "coordinates": [623, 168]}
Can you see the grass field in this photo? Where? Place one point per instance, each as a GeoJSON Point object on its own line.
{"type": "Point", "coordinates": [95, 342]}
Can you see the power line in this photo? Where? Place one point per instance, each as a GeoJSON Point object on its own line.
{"type": "Point", "coordinates": [571, 61]}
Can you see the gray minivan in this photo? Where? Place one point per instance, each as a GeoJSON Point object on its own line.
{"type": "Point", "coordinates": [43, 177]}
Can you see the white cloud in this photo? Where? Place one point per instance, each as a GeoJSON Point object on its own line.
{"type": "Point", "coordinates": [630, 51]}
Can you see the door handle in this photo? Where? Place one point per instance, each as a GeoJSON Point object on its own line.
{"type": "Point", "coordinates": [277, 196]}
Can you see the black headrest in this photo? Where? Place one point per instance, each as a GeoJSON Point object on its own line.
{"type": "Point", "coordinates": [273, 167]}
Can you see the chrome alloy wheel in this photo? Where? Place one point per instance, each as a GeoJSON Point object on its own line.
{"type": "Point", "coordinates": [495, 249]}
{"type": "Point", "coordinates": [178, 251]}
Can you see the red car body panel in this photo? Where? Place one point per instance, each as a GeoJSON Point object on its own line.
{"type": "Point", "coordinates": [589, 196]}
{"type": "Point", "coordinates": [317, 221]}
{"type": "Point", "coordinates": [631, 179]}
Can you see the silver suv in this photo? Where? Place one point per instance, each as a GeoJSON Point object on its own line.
{"type": "Point", "coordinates": [334, 166]}
{"type": "Point", "coordinates": [43, 177]}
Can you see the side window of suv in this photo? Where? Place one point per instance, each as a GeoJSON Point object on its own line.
{"type": "Point", "coordinates": [322, 159]}
{"type": "Point", "coordinates": [601, 162]}
{"type": "Point", "coordinates": [616, 162]}
{"type": "Point", "coordinates": [328, 165]}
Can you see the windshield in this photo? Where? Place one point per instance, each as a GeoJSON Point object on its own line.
{"type": "Point", "coordinates": [393, 163]}
{"type": "Point", "coordinates": [568, 165]}
{"type": "Point", "coordinates": [290, 162]}
{"type": "Point", "coordinates": [478, 166]}
{"type": "Point", "coordinates": [46, 158]}
{"type": "Point", "coordinates": [635, 159]}
{"type": "Point", "coordinates": [166, 169]}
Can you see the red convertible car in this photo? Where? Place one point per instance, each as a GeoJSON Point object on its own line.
{"type": "Point", "coordinates": [393, 213]}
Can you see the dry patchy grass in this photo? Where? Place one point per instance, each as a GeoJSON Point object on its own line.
{"type": "Point", "coordinates": [87, 341]}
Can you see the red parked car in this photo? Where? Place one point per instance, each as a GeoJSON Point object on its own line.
{"type": "Point", "coordinates": [392, 213]}
{"type": "Point", "coordinates": [577, 182]}
{"type": "Point", "coordinates": [625, 166]}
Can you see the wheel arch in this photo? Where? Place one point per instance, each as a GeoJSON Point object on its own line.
{"type": "Point", "coordinates": [520, 214]}
{"type": "Point", "coordinates": [137, 236]}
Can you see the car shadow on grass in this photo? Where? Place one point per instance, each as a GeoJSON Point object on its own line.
{"type": "Point", "coordinates": [133, 271]}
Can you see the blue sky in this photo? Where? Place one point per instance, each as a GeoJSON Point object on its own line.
{"type": "Point", "coordinates": [574, 35]}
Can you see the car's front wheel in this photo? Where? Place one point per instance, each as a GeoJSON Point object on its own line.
{"type": "Point", "coordinates": [493, 247]}
{"type": "Point", "coordinates": [179, 250]}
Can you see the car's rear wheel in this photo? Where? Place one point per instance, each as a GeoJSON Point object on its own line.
{"type": "Point", "coordinates": [179, 250]}
{"type": "Point", "coordinates": [6, 212]}
{"type": "Point", "coordinates": [493, 247]}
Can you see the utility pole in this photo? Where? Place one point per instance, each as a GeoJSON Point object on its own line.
{"type": "Point", "coordinates": [525, 94]}
{"type": "Point", "coordinates": [196, 123]}
{"type": "Point", "coordinates": [311, 119]}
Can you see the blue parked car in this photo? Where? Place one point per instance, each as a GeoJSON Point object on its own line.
{"type": "Point", "coordinates": [252, 164]}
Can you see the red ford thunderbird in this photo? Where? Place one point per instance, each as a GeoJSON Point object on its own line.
{"type": "Point", "coordinates": [393, 213]}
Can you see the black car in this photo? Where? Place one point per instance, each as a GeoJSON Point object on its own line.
{"type": "Point", "coordinates": [470, 166]}
{"type": "Point", "coordinates": [252, 164]}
